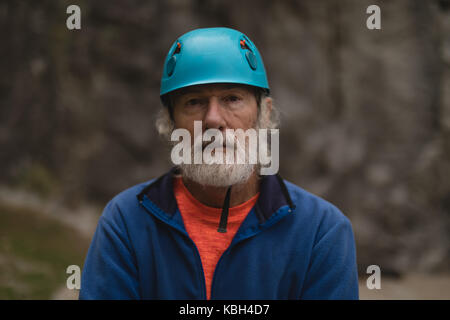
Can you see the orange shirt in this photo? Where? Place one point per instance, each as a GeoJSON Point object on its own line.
{"type": "Point", "coordinates": [201, 223]}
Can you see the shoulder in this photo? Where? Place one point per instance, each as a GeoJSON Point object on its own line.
{"type": "Point", "coordinates": [316, 210]}
{"type": "Point", "coordinates": [124, 203]}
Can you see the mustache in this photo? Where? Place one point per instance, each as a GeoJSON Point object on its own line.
{"type": "Point", "coordinates": [224, 145]}
{"type": "Point", "coordinates": [229, 140]}
{"type": "Point", "coordinates": [231, 143]}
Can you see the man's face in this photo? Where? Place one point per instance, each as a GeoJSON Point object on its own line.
{"type": "Point", "coordinates": [218, 106]}
{"type": "Point", "coordinates": [221, 107]}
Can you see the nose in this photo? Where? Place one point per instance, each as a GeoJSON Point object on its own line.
{"type": "Point", "coordinates": [214, 117]}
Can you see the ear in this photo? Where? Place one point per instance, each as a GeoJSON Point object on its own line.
{"type": "Point", "coordinates": [268, 101]}
{"type": "Point", "coordinates": [266, 110]}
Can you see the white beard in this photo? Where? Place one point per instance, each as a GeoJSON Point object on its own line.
{"type": "Point", "coordinates": [219, 175]}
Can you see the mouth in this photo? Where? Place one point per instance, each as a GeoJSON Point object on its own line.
{"type": "Point", "coordinates": [224, 146]}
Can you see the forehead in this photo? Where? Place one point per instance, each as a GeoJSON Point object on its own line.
{"type": "Point", "coordinates": [213, 88]}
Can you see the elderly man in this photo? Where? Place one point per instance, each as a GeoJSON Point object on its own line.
{"type": "Point", "coordinates": [219, 230]}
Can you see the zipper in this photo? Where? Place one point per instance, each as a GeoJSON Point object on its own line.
{"type": "Point", "coordinates": [158, 213]}
{"type": "Point", "coordinates": [248, 233]}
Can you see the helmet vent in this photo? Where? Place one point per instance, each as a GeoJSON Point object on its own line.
{"type": "Point", "coordinates": [249, 55]}
{"type": "Point", "coordinates": [244, 45]}
{"type": "Point", "coordinates": [178, 48]}
{"type": "Point", "coordinates": [173, 60]}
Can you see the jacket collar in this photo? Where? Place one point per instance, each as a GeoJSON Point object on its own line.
{"type": "Point", "coordinates": [273, 195]}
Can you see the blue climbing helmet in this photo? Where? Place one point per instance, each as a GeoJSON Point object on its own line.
{"type": "Point", "coordinates": [213, 55]}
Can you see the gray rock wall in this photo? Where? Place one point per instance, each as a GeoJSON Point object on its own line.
{"type": "Point", "coordinates": [365, 113]}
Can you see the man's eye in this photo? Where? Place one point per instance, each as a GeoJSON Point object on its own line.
{"type": "Point", "coordinates": [232, 98]}
{"type": "Point", "coordinates": [193, 102]}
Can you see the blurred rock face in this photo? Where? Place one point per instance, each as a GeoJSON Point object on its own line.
{"type": "Point", "coordinates": [365, 113]}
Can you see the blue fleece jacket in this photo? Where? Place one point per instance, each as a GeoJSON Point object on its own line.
{"type": "Point", "coordinates": [292, 245]}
